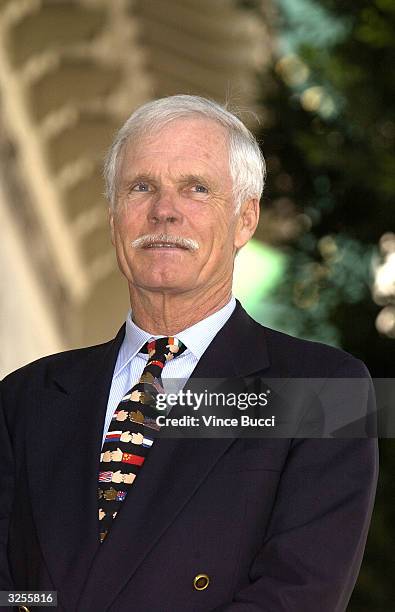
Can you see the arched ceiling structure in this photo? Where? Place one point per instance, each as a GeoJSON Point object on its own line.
{"type": "Point", "coordinates": [70, 73]}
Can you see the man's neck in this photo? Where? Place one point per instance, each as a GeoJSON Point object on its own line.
{"type": "Point", "coordinates": [169, 314]}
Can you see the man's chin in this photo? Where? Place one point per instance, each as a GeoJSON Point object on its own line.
{"type": "Point", "coordinates": [168, 285]}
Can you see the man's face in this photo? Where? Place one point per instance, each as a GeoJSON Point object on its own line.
{"type": "Point", "coordinates": [177, 183]}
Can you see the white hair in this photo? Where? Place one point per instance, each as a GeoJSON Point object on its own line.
{"type": "Point", "coordinates": [246, 162]}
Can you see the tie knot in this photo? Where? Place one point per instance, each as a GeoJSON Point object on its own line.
{"type": "Point", "coordinates": [163, 349]}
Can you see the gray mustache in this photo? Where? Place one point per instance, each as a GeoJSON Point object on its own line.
{"type": "Point", "coordinates": [149, 239]}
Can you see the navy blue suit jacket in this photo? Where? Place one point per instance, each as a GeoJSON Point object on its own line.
{"type": "Point", "coordinates": [279, 525]}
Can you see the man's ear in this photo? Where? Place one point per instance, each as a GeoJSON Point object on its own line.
{"type": "Point", "coordinates": [111, 222]}
{"type": "Point", "coordinates": [247, 222]}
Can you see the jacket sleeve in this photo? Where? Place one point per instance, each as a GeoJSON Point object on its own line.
{"type": "Point", "coordinates": [313, 548]}
{"type": "Point", "coordinates": [6, 498]}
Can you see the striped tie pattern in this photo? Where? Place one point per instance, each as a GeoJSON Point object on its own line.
{"type": "Point", "coordinates": [132, 432]}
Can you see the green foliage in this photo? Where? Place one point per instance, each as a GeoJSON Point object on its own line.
{"type": "Point", "coordinates": [330, 147]}
{"type": "Point", "coordinates": [329, 141]}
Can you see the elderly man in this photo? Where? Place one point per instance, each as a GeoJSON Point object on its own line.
{"type": "Point", "coordinates": [101, 508]}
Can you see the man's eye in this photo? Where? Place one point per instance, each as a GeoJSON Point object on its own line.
{"type": "Point", "coordinates": [141, 187]}
{"type": "Point", "coordinates": [200, 189]}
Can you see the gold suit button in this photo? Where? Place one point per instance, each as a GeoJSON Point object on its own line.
{"type": "Point", "coordinates": [201, 582]}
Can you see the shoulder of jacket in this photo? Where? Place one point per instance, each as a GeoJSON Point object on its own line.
{"type": "Point", "coordinates": [39, 366]}
{"type": "Point", "coordinates": [314, 358]}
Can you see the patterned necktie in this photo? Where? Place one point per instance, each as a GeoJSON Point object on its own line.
{"type": "Point", "coordinates": [132, 431]}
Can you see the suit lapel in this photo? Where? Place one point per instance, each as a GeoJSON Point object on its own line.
{"type": "Point", "coordinates": [63, 459]}
{"type": "Point", "coordinates": [173, 471]}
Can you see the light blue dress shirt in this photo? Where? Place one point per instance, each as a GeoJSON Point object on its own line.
{"type": "Point", "coordinates": [130, 363]}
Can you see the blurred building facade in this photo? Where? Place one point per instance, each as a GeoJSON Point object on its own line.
{"type": "Point", "coordinates": [70, 73]}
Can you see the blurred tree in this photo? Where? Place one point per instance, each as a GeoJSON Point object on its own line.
{"type": "Point", "coordinates": [329, 139]}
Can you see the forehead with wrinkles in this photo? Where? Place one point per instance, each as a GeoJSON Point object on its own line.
{"type": "Point", "coordinates": [184, 146]}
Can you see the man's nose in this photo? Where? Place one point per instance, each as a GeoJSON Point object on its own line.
{"type": "Point", "coordinates": [165, 208]}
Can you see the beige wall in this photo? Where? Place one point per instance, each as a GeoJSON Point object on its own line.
{"type": "Point", "coordinates": [70, 73]}
{"type": "Point", "coordinates": [27, 327]}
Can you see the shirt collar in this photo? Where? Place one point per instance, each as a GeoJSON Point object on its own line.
{"type": "Point", "coordinates": [196, 338]}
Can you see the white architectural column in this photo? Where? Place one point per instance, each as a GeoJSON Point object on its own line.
{"type": "Point", "coordinates": [27, 328]}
